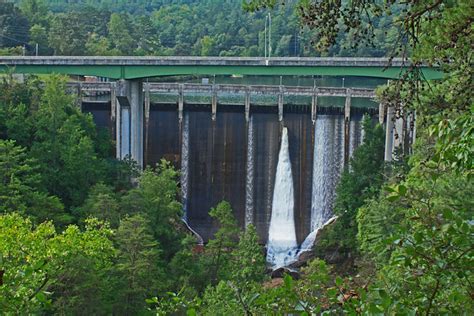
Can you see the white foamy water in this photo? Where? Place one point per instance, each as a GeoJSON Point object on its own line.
{"type": "Point", "coordinates": [282, 245]}
{"type": "Point", "coordinates": [249, 205]}
{"type": "Point", "coordinates": [322, 170]}
{"type": "Point", "coordinates": [185, 165]}
{"type": "Point", "coordinates": [328, 161]}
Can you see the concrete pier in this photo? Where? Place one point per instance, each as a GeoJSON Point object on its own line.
{"type": "Point", "coordinates": [130, 109]}
{"type": "Point", "coordinates": [280, 104]}
{"type": "Point", "coordinates": [314, 105]}
{"type": "Point", "coordinates": [147, 117]}
{"type": "Point", "coordinates": [389, 134]}
{"type": "Point", "coordinates": [247, 105]}
{"type": "Point", "coordinates": [214, 102]}
{"type": "Point", "coordinates": [180, 102]}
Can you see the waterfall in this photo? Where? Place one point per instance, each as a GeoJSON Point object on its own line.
{"type": "Point", "coordinates": [356, 136]}
{"type": "Point", "coordinates": [184, 179]}
{"type": "Point", "coordinates": [328, 162]}
{"type": "Point", "coordinates": [282, 244]}
{"type": "Point", "coordinates": [323, 170]}
{"type": "Point", "coordinates": [249, 207]}
{"type": "Point", "coordinates": [185, 165]}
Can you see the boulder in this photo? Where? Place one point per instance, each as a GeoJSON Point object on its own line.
{"type": "Point", "coordinates": [280, 273]}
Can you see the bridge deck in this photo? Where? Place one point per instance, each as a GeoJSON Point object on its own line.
{"type": "Point", "coordinates": [143, 67]}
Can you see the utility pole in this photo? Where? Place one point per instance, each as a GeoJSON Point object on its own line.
{"type": "Point", "coordinates": [37, 49]}
{"type": "Point", "coordinates": [265, 41]}
{"type": "Point", "coordinates": [269, 35]}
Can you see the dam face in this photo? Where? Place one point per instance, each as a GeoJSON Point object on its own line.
{"type": "Point", "coordinates": [236, 160]}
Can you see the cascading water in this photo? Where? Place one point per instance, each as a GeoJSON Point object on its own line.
{"type": "Point", "coordinates": [328, 161]}
{"type": "Point", "coordinates": [185, 165]}
{"type": "Point", "coordinates": [185, 176]}
{"type": "Point", "coordinates": [282, 245]}
{"type": "Point", "coordinates": [322, 192]}
{"type": "Point", "coordinates": [356, 136]}
{"type": "Point", "coordinates": [249, 206]}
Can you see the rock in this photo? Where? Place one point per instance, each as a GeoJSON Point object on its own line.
{"type": "Point", "coordinates": [306, 255]}
{"type": "Point", "coordinates": [280, 273]}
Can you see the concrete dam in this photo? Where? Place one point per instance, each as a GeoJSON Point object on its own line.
{"type": "Point", "coordinates": [232, 154]}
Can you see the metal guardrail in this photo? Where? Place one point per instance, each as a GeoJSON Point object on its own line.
{"type": "Point", "coordinates": [233, 88]}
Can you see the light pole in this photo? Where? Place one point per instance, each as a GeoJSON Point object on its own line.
{"type": "Point", "coordinates": [268, 21]}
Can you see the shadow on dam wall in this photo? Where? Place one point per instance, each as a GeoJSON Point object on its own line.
{"type": "Point", "coordinates": [218, 151]}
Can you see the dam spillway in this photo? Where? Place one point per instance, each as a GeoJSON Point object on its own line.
{"type": "Point", "coordinates": [216, 158]}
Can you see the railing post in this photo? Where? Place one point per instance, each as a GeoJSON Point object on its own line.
{"type": "Point", "coordinates": [280, 104]}
{"type": "Point", "coordinates": [347, 126]}
{"type": "Point", "coordinates": [247, 104]}
{"type": "Point", "coordinates": [180, 102]}
{"type": "Point", "coordinates": [214, 102]}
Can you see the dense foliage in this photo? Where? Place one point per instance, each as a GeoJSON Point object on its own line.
{"type": "Point", "coordinates": [114, 245]}
{"type": "Point", "coordinates": [408, 231]}
{"type": "Point", "coordinates": [166, 27]}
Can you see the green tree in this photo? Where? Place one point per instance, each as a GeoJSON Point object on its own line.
{"type": "Point", "coordinates": [63, 145]}
{"type": "Point", "coordinates": [39, 36]}
{"type": "Point", "coordinates": [67, 34]}
{"type": "Point", "coordinates": [33, 258]}
{"type": "Point", "coordinates": [138, 264]}
{"type": "Point", "coordinates": [35, 10]}
{"type": "Point", "coordinates": [102, 203]}
{"type": "Point", "coordinates": [218, 252]}
{"type": "Point", "coordinates": [248, 261]}
{"type": "Point", "coordinates": [156, 197]}
{"type": "Point", "coordinates": [20, 186]}
{"type": "Point", "coordinates": [14, 26]}
{"type": "Point", "coordinates": [119, 28]}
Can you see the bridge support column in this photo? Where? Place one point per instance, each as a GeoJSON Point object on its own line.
{"type": "Point", "coordinates": [280, 104]}
{"type": "Point", "coordinates": [113, 111]}
{"type": "Point", "coordinates": [381, 113]}
{"type": "Point", "coordinates": [130, 109]}
{"type": "Point", "coordinates": [389, 134]}
{"type": "Point", "coordinates": [214, 102]}
{"type": "Point", "coordinates": [314, 105]}
{"type": "Point", "coordinates": [398, 133]}
{"type": "Point", "coordinates": [247, 105]}
{"type": "Point", "coordinates": [347, 126]}
{"type": "Point", "coordinates": [79, 96]}
{"type": "Point", "coordinates": [180, 102]}
{"type": "Point", "coordinates": [147, 117]}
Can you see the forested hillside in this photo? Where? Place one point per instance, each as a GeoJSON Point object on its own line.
{"type": "Point", "coordinates": [199, 28]}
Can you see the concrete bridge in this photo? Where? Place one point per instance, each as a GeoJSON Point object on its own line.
{"type": "Point", "coordinates": [143, 67]}
{"type": "Point", "coordinates": [131, 95]}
